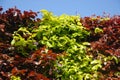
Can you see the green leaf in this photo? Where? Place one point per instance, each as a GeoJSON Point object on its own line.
{"type": "Point", "coordinates": [98, 30]}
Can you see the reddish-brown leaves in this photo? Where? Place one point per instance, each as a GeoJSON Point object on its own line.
{"type": "Point", "coordinates": [1, 8]}
{"type": "Point", "coordinates": [36, 66]}
{"type": "Point", "coordinates": [107, 43]}
{"type": "Point", "coordinates": [15, 71]}
{"type": "Point", "coordinates": [43, 60]}
{"type": "Point", "coordinates": [39, 64]}
{"type": "Point", "coordinates": [109, 40]}
{"type": "Point", "coordinates": [3, 47]}
{"type": "Point", "coordinates": [13, 18]}
{"type": "Point", "coordinates": [35, 76]}
{"type": "Point", "coordinates": [2, 26]}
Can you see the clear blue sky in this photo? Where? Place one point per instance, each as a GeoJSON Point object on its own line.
{"type": "Point", "coordinates": [70, 7]}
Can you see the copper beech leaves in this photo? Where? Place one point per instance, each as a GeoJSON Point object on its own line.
{"type": "Point", "coordinates": [74, 48]}
{"type": "Point", "coordinates": [108, 41]}
{"type": "Point", "coordinates": [34, 67]}
{"type": "Point", "coordinates": [13, 18]}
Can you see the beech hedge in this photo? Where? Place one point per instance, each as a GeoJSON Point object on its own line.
{"type": "Point", "coordinates": [58, 47]}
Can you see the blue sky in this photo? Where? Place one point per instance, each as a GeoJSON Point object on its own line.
{"type": "Point", "coordinates": [70, 7]}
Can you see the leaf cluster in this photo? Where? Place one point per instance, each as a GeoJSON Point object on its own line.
{"type": "Point", "coordinates": [12, 19]}
{"type": "Point", "coordinates": [60, 32]}
{"type": "Point", "coordinates": [23, 41]}
{"type": "Point", "coordinates": [105, 46]}
{"type": "Point", "coordinates": [36, 66]}
{"type": "Point", "coordinates": [58, 47]}
{"type": "Point", "coordinates": [108, 39]}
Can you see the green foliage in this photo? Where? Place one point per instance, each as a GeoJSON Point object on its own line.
{"type": "Point", "coordinates": [12, 19]}
{"type": "Point", "coordinates": [56, 32]}
{"type": "Point", "coordinates": [116, 60]}
{"type": "Point", "coordinates": [73, 48]}
{"type": "Point", "coordinates": [66, 33]}
{"type": "Point", "coordinates": [60, 32]}
{"type": "Point", "coordinates": [23, 41]}
{"type": "Point", "coordinates": [77, 68]}
{"type": "Point", "coordinates": [15, 78]}
{"type": "Point", "coordinates": [117, 74]}
{"type": "Point", "coordinates": [98, 30]}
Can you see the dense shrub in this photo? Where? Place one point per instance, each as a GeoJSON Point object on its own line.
{"type": "Point", "coordinates": [105, 42]}
{"type": "Point", "coordinates": [38, 65]}
{"type": "Point", "coordinates": [12, 19]}
{"type": "Point", "coordinates": [58, 47]}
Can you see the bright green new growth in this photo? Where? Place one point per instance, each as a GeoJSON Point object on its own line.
{"type": "Point", "coordinates": [15, 78]}
{"type": "Point", "coordinates": [98, 30]}
{"type": "Point", "coordinates": [66, 33]}
{"type": "Point", "coordinates": [61, 33]}
{"type": "Point", "coordinates": [23, 41]}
